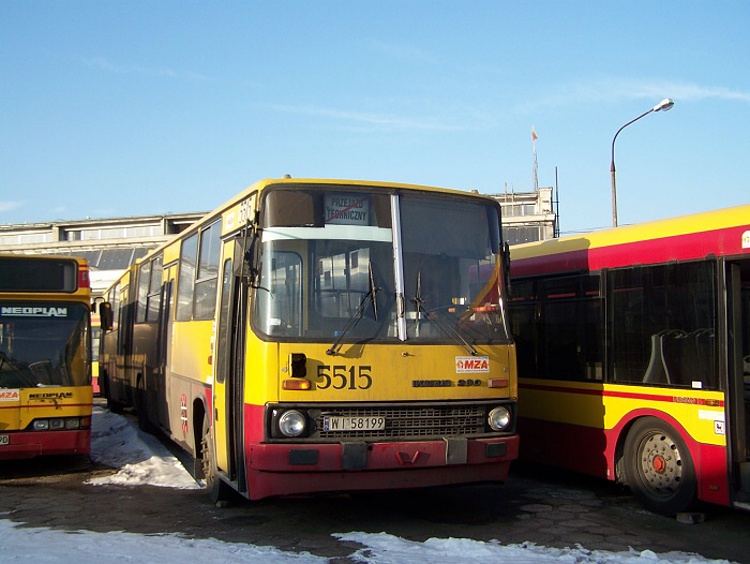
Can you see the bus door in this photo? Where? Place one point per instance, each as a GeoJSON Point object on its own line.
{"type": "Point", "coordinates": [123, 380]}
{"type": "Point", "coordinates": [228, 388]}
{"type": "Point", "coordinates": [163, 341]}
{"type": "Point", "coordinates": [738, 392]}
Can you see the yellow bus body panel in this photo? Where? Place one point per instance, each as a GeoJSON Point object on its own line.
{"type": "Point", "coordinates": [192, 350]}
{"type": "Point", "coordinates": [379, 373]}
{"type": "Point", "coordinates": [602, 406]}
{"type": "Point", "coordinates": [19, 407]}
{"type": "Point", "coordinates": [171, 253]}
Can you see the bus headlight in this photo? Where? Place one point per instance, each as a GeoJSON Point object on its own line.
{"type": "Point", "coordinates": [61, 423]}
{"type": "Point", "coordinates": [72, 423]}
{"type": "Point", "coordinates": [499, 418]}
{"type": "Point", "coordinates": [41, 424]}
{"type": "Point", "coordinates": [292, 423]}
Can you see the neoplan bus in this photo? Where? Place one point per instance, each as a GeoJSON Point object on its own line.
{"type": "Point", "coordinates": [322, 335]}
{"type": "Point", "coordinates": [45, 356]}
{"type": "Point", "coordinates": [634, 357]}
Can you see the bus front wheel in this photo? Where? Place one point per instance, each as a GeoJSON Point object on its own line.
{"type": "Point", "coordinates": [658, 467]}
{"type": "Point", "coordinates": [217, 490]}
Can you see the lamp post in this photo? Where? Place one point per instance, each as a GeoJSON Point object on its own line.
{"type": "Point", "coordinates": [665, 105]}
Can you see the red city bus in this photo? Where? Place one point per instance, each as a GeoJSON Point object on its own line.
{"type": "Point", "coordinates": [634, 356]}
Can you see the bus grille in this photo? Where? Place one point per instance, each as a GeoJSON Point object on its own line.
{"type": "Point", "coordinates": [409, 422]}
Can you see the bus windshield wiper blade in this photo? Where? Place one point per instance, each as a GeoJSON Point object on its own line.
{"type": "Point", "coordinates": [446, 328]}
{"type": "Point", "coordinates": [370, 297]}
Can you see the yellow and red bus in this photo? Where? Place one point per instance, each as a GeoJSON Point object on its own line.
{"type": "Point", "coordinates": [323, 335]}
{"type": "Point", "coordinates": [45, 356]}
{"type": "Point", "coordinates": [634, 356]}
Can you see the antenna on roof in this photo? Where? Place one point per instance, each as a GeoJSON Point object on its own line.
{"type": "Point", "coordinates": [536, 166]}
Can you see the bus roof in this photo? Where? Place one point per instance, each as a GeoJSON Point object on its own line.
{"type": "Point", "coordinates": [724, 232]}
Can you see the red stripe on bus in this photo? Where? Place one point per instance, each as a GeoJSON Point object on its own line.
{"type": "Point", "coordinates": [59, 407]}
{"type": "Point", "coordinates": [624, 395]}
{"type": "Point", "coordinates": [719, 242]}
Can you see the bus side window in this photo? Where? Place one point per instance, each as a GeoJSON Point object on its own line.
{"type": "Point", "coordinates": [664, 320]}
{"type": "Point", "coordinates": [280, 299]}
{"type": "Point", "coordinates": [572, 322]}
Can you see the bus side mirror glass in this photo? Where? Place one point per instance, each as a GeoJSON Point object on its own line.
{"type": "Point", "coordinates": [105, 316]}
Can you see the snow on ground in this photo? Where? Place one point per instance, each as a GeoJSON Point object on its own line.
{"type": "Point", "coordinates": [141, 459]}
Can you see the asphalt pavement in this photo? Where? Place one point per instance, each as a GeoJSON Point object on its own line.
{"type": "Point", "coordinates": [536, 506]}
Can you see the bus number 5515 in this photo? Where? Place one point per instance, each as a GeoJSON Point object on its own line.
{"type": "Point", "coordinates": [340, 377]}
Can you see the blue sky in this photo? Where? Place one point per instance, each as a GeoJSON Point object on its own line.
{"type": "Point", "coordinates": [124, 108]}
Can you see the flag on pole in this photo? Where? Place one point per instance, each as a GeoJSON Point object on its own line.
{"type": "Point", "coordinates": [533, 134]}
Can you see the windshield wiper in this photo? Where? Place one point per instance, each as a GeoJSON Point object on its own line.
{"type": "Point", "coordinates": [370, 297]}
{"type": "Point", "coordinates": [446, 328]}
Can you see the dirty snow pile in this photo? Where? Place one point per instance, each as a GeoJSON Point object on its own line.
{"type": "Point", "coordinates": [141, 460]}
{"type": "Point", "coordinates": [140, 457]}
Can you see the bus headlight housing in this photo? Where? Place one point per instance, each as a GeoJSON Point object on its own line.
{"type": "Point", "coordinates": [499, 418]}
{"type": "Point", "coordinates": [60, 424]}
{"type": "Point", "coordinates": [57, 424]}
{"type": "Point", "coordinates": [73, 423]}
{"type": "Point", "coordinates": [292, 423]}
{"type": "Point", "coordinates": [41, 424]}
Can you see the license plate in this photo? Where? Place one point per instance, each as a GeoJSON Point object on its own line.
{"type": "Point", "coordinates": [4, 440]}
{"type": "Point", "coordinates": [349, 423]}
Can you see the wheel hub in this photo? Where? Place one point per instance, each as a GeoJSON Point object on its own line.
{"type": "Point", "coordinates": [659, 464]}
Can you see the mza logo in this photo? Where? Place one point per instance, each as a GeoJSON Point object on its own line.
{"type": "Point", "coordinates": [472, 364]}
{"type": "Point", "coordinates": [9, 395]}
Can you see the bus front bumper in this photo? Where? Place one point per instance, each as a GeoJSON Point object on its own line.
{"type": "Point", "coordinates": [282, 469]}
{"type": "Point", "coordinates": [29, 444]}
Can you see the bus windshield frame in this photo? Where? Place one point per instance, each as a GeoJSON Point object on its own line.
{"type": "Point", "coordinates": [334, 262]}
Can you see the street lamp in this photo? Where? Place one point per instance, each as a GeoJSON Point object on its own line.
{"type": "Point", "coordinates": [665, 105]}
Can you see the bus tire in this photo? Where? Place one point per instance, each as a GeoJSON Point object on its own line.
{"type": "Point", "coordinates": [141, 407]}
{"type": "Point", "coordinates": [658, 467]}
{"type": "Point", "coordinates": [218, 491]}
{"type": "Point", "coordinates": [112, 405]}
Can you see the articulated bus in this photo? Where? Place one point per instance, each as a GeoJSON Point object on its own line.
{"type": "Point", "coordinates": [634, 357]}
{"type": "Point", "coordinates": [45, 356]}
{"type": "Point", "coordinates": [323, 335]}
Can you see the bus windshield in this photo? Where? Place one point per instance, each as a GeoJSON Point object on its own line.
{"type": "Point", "coordinates": [43, 344]}
{"type": "Point", "coordinates": [379, 266]}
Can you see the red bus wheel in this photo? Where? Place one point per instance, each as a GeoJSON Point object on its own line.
{"type": "Point", "coordinates": [658, 467]}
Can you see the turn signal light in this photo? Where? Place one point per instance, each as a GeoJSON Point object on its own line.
{"type": "Point", "coordinates": [296, 384]}
{"type": "Point", "coordinates": [497, 383]}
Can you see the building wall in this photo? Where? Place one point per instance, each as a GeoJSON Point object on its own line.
{"type": "Point", "coordinates": [528, 216]}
